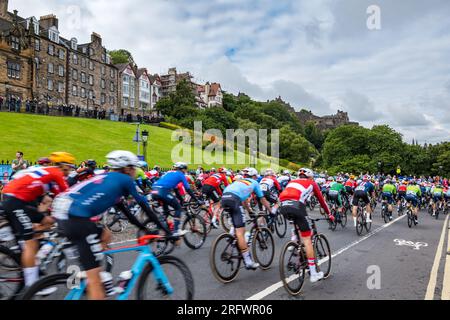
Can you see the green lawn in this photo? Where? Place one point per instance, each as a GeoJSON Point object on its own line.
{"type": "Point", "coordinates": [38, 136]}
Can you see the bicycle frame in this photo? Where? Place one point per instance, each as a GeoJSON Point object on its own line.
{"type": "Point", "coordinates": [145, 256]}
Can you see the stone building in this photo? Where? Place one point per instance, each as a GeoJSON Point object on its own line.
{"type": "Point", "coordinates": [155, 90]}
{"type": "Point", "coordinates": [92, 78]}
{"type": "Point", "coordinates": [127, 88]}
{"type": "Point", "coordinates": [210, 94]}
{"type": "Point", "coordinates": [170, 80]}
{"type": "Point", "coordinates": [143, 93]}
{"type": "Point", "coordinates": [15, 58]}
{"type": "Point", "coordinates": [325, 122]}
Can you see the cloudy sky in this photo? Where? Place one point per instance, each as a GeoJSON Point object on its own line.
{"type": "Point", "coordinates": [319, 55]}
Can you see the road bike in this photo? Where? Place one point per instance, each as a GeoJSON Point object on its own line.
{"type": "Point", "coordinates": [339, 214]}
{"type": "Point", "coordinates": [226, 258]}
{"type": "Point", "coordinates": [410, 215]}
{"type": "Point", "coordinates": [385, 214]}
{"type": "Point", "coordinates": [154, 277]}
{"type": "Point", "coordinates": [361, 219]}
{"type": "Point", "coordinates": [277, 223]}
{"type": "Point", "coordinates": [294, 263]}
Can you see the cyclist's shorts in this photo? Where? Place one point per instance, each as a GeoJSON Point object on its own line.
{"type": "Point", "coordinates": [271, 196]}
{"type": "Point", "coordinates": [360, 194]}
{"type": "Point", "coordinates": [211, 193]}
{"type": "Point", "coordinates": [446, 196]}
{"type": "Point", "coordinates": [401, 194]}
{"type": "Point", "coordinates": [349, 190]}
{"type": "Point", "coordinates": [21, 216]}
{"type": "Point", "coordinates": [437, 197]}
{"type": "Point", "coordinates": [388, 197]}
{"type": "Point", "coordinates": [233, 205]}
{"type": "Point", "coordinates": [334, 196]}
{"type": "Point", "coordinates": [413, 199]}
{"type": "Point", "coordinates": [86, 235]}
{"type": "Point", "coordinates": [296, 211]}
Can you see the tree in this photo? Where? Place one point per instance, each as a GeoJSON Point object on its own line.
{"type": "Point", "coordinates": [229, 102]}
{"type": "Point", "coordinates": [121, 56]}
{"type": "Point", "coordinates": [314, 135]}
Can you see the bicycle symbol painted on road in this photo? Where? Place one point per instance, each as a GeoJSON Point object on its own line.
{"type": "Point", "coordinates": [415, 245]}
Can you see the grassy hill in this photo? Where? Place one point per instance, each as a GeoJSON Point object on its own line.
{"type": "Point", "coordinates": [38, 136]}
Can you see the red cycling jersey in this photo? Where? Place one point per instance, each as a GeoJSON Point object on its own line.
{"type": "Point", "coordinates": [271, 181]}
{"type": "Point", "coordinates": [32, 183]}
{"type": "Point", "coordinates": [152, 174]}
{"type": "Point", "coordinates": [402, 188]}
{"type": "Point", "coordinates": [216, 180]}
{"type": "Point", "coordinates": [350, 183]}
{"type": "Point", "coordinates": [301, 189]}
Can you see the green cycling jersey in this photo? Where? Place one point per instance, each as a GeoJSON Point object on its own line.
{"type": "Point", "coordinates": [414, 190]}
{"type": "Point", "coordinates": [390, 188]}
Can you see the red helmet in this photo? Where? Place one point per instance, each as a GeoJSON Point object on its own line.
{"type": "Point", "coordinates": [222, 170]}
{"type": "Point", "coordinates": [43, 161]}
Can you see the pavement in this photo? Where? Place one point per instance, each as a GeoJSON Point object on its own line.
{"type": "Point", "coordinates": [392, 262]}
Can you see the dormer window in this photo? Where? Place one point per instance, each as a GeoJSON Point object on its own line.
{"type": "Point", "coordinates": [15, 43]}
{"type": "Point", "coordinates": [53, 34]}
{"type": "Point", "coordinates": [74, 44]}
{"type": "Point", "coordinates": [36, 26]}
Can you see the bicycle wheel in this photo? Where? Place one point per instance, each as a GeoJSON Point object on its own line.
{"type": "Point", "coordinates": [292, 268]}
{"type": "Point", "coordinates": [196, 236]}
{"type": "Point", "coordinates": [360, 220]}
{"type": "Point", "coordinates": [410, 218]}
{"type": "Point", "coordinates": [333, 224]}
{"type": "Point", "coordinates": [344, 218]}
{"type": "Point", "coordinates": [322, 251]}
{"type": "Point", "coordinates": [280, 225]}
{"type": "Point", "coordinates": [179, 276]}
{"type": "Point", "coordinates": [158, 246]}
{"type": "Point", "coordinates": [225, 221]}
{"type": "Point", "coordinates": [204, 214]}
{"type": "Point", "coordinates": [385, 215]}
{"type": "Point", "coordinates": [114, 222]}
{"type": "Point", "coordinates": [56, 284]}
{"type": "Point", "coordinates": [225, 258]}
{"type": "Point", "coordinates": [11, 275]}
{"type": "Point", "coordinates": [368, 225]}
{"type": "Point", "coordinates": [263, 248]}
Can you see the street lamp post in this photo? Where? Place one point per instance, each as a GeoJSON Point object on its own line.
{"type": "Point", "coordinates": [145, 135]}
{"type": "Point", "coordinates": [137, 137]}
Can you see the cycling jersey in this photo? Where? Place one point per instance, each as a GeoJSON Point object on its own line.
{"type": "Point", "coordinates": [365, 186]}
{"type": "Point", "coordinates": [140, 174]}
{"type": "Point", "coordinates": [268, 183]}
{"type": "Point", "coordinates": [350, 183]}
{"type": "Point", "coordinates": [402, 188]}
{"type": "Point", "coordinates": [389, 188]}
{"type": "Point", "coordinates": [152, 174]}
{"type": "Point", "coordinates": [216, 180]}
{"type": "Point", "coordinates": [96, 195]}
{"type": "Point", "coordinates": [300, 190]}
{"type": "Point", "coordinates": [31, 183]}
{"type": "Point", "coordinates": [171, 179]}
{"type": "Point", "coordinates": [413, 190]}
{"type": "Point", "coordinates": [336, 187]}
{"type": "Point", "coordinates": [244, 189]}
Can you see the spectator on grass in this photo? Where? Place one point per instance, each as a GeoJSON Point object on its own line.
{"type": "Point", "coordinates": [19, 163]}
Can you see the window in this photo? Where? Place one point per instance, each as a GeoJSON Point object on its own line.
{"type": "Point", "coordinates": [61, 54]}
{"type": "Point", "coordinates": [125, 101]}
{"type": "Point", "coordinates": [15, 43]}
{"type": "Point", "coordinates": [112, 101]}
{"type": "Point", "coordinates": [91, 65]}
{"type": "Point", "coordinates": [83, 77]}
{"type": "Point", "coordinates": [91, 79]}
{"type": "Point", "coordinates": [13, 70]}
{"type": "Point", "coordinates": [83, 92]}
{"type": "Point", "coordinates": [104, 57]}
{"type": "Point", "coordinates": [91, 94]}
{"type": "Point", "coordinates": [91, 52]}
{"type": "Point", "coordinates": [74, 91]}
{"type": "Point", "coordinates": [103, 98]}
{"type": "Point", "coordinates": [74, 74]}
{"type": "Point", "coordinates": [126, 89]}
{"type": "Point", "coordinates": [50, 84]}
{"type": "Point", "coordinates": [51, 49]}
{"type": "Point", "coordinates": [60, 87]}
{"type": "Point", "coordinates": [61, 71]}
{"type": "Point", "coordinates": [103, 70]}
{"type": "Point", "coordinates": [53, 35]}
{"type": "Point", "coordinates": [37, 44]}
{"type": "Point", "coordinates": [74, 44]}
{"type": "Point", "coordinates": [111, 87]}
{"type": "Point", "coordinates": [132, 102]}
{"type": "Point", "coordinates": [50, 68]}
{"type": "Point", "coordinates": [103, 83]}
{"type": "Point", "coordinates": [83, 62]}
{"type": "Point", "coordinates": [108, 59]}
{"type": "Point", "coordinates": [84, 50]}
{"type": "Point", "coordinates": [75, 58]}
{"type": "Point", "coordinates": [112, 73]}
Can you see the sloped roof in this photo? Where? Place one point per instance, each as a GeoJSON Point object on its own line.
{"type": "Point", "coordinates": [214, 89]}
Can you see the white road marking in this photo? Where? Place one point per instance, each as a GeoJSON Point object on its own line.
{"type": "Point", "coordinates": [446, 283]}
{"type": "Point", "coordinates": [415, 245]}
{"type": "Point", "coordinates": [433, 275]}
{"type": "Point", "coordinates": [264, 293]}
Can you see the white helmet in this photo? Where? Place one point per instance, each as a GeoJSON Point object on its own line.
{"type": "Point", "coordinates": [286, 172]}
{"type": "Point", "coordinates": [121, 159]}
{"type": "Point", "coordinates": [252, 172]}
{"type": "Point", "coordinates": [269, 172]}
{"type": "Point", "coordinates": [180, 165]}
{"type": "Point", "coordinates": [307, 172]}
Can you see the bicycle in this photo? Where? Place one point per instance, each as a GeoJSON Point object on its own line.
{"type": "Point", "coordinates": [116, 222]}
{"type": "Point", "coordinates": [410, 215]}
{"type": "Point", "coordinates": [385, 214]}
{"type": "Point", "coordinates": [361, 219]}
{"type": "Point", "coordinates": [277, 223]}
{"type": "Point", "coordinates": [294, 263]}
{"type": "Point", "coordinates": [339, 214]}
{"type": "Point", "coordinates": [72, 286]}
{"type": "Point", "coordinates": [230, 256]}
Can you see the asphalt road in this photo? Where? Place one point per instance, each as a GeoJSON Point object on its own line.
{"type": "Point", "coordinates": [391, 262]}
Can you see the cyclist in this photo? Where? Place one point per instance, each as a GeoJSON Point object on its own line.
{"type": "Point", "coordinates": [271, 189]}
{"type": "Point", "coordinates": [162, 190]}
{"type": "Point", "coordinates": [284, 179]}
{"type": "Point", "coordinates": [336, 192]}
{"type": "Point", "coordinates": [350, 185]}
{"type": "Point", "coordinates": [80, 203]}
{"type": "Point", "coordinates": [154, 174]}
{"type": "Point", "coordinates": [293, 206]}
{"type": "Point", "coordinates": [401, 192]}
{"type": "Point", "coordinates": [84, 172]}
{"type": "Point", "coordinates": [413, 195]}
{"type": "Point", "coordinates": [234, 199]}
{"type": "Point", "coordinates": [438, 194]}
{"type": "Point", "coordinates": [21, 197]}
{"type": "Point", "coordinates": [141, 178]}
{"type": "Point", "coordinates": [363, 191]}
{"type": "Point", "coordinates": [43, 162]}
{"type": "Point", "coordinates": [212, 190]}
{"type": "Point", "coordinates": [389, 192]}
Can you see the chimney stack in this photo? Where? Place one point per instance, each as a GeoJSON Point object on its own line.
{"type": "Point", "coordinates": [96, 38]}
{"type": "Point", "coordinates": [4, 10]}
{"type": "Point", "coordinates": [48, 21]}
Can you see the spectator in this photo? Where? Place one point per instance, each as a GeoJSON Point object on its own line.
{"type": "Point", "coordinates": [18, 164]}
{"type": "Point", "coordinates": [27, 106]}
{"type": "Point", "coordinates": [1, 102]}
{"type": "Point", "coordinates": [18, 104]}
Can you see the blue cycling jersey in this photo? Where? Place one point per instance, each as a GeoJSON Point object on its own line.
{"type": "Point", "coordinates": [244, 188]}
{"type": "Point", "coordinates": [96, 195]}
{"type": "Point", "coordinates": [367, 187]}
{"type": "Point", "coordinates": [171, 179]}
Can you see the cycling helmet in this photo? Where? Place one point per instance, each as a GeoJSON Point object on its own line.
{"type": "Point", "coordinates": [143, 164]}
{"type": "Point", "coordinates": [157, 168]}
{"type": "Point", "coordinates": [222, 170]}
{"type": "Point", "coordinates": [213, 170]}
{"type": "Point", "coordinates": [352, 177]}
{"type": "Point", "coordinates": [412, 182]}
{"type": "Point", "coordinates": [238, 177]}
{"type": "Point", "coordinates": [285, 172]}
{"type": "Point", "coordinates": [306, 172]}
{"type": "Point", "coordinates": [366, 178]}
{"type": "Point", "coordinates": [269, 172]}
{"type": "Point", "coordinates": [252, 172]}
{"type": "Point", "coordinates": [91, 163]}
{"type": "Point", "coordinates": [180, 165]}
{"type": "Point", "coordinates": [43, 161]}
{"type": "Point", "coordinates": [405, 182]}
{"type": "Point", "coordinates": [106, 167]}
{"type": "Point", "coordinates": [62, 158]}
{"type": "Point", "coordinates": [330, 179]}
{"type": "Point", "coordinates": [387, 181]}
{"type": "Point", "coordinates": [120, 159]}
{"type": "Point", "coordinates": [340, 179]}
